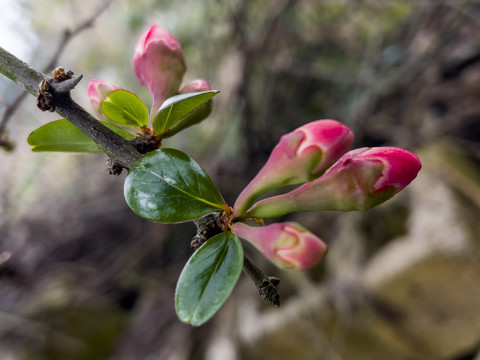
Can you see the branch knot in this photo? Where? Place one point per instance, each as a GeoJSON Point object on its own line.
{"type": "Point", "coordinates": [61, 84]}
{"type": "Point", "coordinates": [207, 227]}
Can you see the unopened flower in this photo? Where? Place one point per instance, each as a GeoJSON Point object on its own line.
{"type": "Point", "coordinates": [300, 156]}
{"type": "Point", "coordinates": [287, 245]}
{"type": "Point", "coordinates": [361, 179]}
{"type": "Point", "coordinates": [196, 86]}
{"type": "Point", "coordinates": [98, 91]}
{"type": "Point", "coordinates": [159, 65]}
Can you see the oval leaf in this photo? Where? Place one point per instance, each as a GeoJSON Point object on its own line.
{"type": "Point", "coordinates": [208, 278]}
{"type": "Point", "coordinates": [176, 108]}
{"type": "Point", "coordinates": [125, 108]}
{"type": "Point", "coordinates": [168, 186]}
{"type": "Point", "coordinates": [193, 118]}
{"type": "Point", "coordinates": [123, 133]}
{"type": "Point", "coordinates": [61, 135]}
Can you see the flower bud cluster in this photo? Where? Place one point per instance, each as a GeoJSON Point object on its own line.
{"type": "Point", "coordinates": [159, 65]}
{"type": "Point", "coordinates": [316, 157]}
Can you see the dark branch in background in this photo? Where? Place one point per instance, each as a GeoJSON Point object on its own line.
{"type": "Point", "coordinates": [7, 114]}
{"type": "Point", "coordinates": [67, 36]}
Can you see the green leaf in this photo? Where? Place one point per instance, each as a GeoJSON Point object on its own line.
{"type": "Point", "coordinates": [168, 186]}
{"type": "Point", "coordinates": [193, 118]}
{"type": "Point", "coordinates": [208, 278]}
{"type": "Point", "coordinates": [123, 133]}
{"type": "Point", "coordinates": [61, 135]}
{"type": "Point", "coordinates": [125, 108]}
{"type": "Point", "coordinates": [176, 108]}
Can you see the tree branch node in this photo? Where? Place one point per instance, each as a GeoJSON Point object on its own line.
{"type": "Point", "coordinates": [211, 225]}
{"type": "Point", "coordinates": [207, 226]}
{"type": "Point", "coordinates": [61, 83]}
{"type": "Point", "coordinates": [114, 168]}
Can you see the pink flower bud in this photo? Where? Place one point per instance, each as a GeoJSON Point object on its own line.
{"type": "Point", "coordinates": [287, 245]}
{"type": "Point", "coordinates": [98, 91]}
{"type": "Point", "coordinates": [359, 180]}
{"type": "Point", "coordinates": [300, 156]}
{"type": "Point", "coordinates": [159, 65]}
{"type": "Point", "coordinates": [196, 86]}
{"type": "Point", "coordinates": [199, 114]}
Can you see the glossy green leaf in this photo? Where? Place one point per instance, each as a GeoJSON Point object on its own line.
{"type": "Point", "coordinates": [61, 135]}
{"type": "Point", "coordinates": [125, 108]}
{"type": "Point", "coordinates": [208, 278]}
{"type": "Point", "coordinates": [178, 107]}
{"type": "Point", "coordinates": [168, 186]}
{"type": "Point", "coordinates": [193, 118]}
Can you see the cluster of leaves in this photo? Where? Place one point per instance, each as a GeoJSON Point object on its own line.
{"type": "Point", "coordinates": [129, 117]}
{"type": "Point", "coordinates": [168, 186]}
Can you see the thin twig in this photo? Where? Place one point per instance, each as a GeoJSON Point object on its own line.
{"type": "Point", "coordinates": [67, 36]}
{"type": "Point", "coordinates": [120, 151]}
{"type": "Point", "coordinates": [10, 110]}
{"type": "Point", "coordinates": [266, 285]}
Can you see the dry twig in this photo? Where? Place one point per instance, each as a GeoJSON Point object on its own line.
{"type": "Point", "coordinates": [12, 106]}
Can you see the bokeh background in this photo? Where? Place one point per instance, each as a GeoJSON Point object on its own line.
{"type": "Point", "coordinates": [82, 277]}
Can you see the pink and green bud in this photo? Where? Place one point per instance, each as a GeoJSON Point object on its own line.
{"type": "Point", "coordinates": [300, 156]}
{"type": "Point", "coordinates": [287, 245]}
{"type": "Point", "coordinates": [159, 65]}
{"type": "Point", "coordinates": [199, 114]}
{"type": "Point", "coordinates": [98, 91]}
{"type": "Point", "coordinates": [196, 85]}
{"type": "Point", "coordinates": [361, 179]}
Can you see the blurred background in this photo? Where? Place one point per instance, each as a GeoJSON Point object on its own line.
{"type": "Point", "coordinates": [83, 277]}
